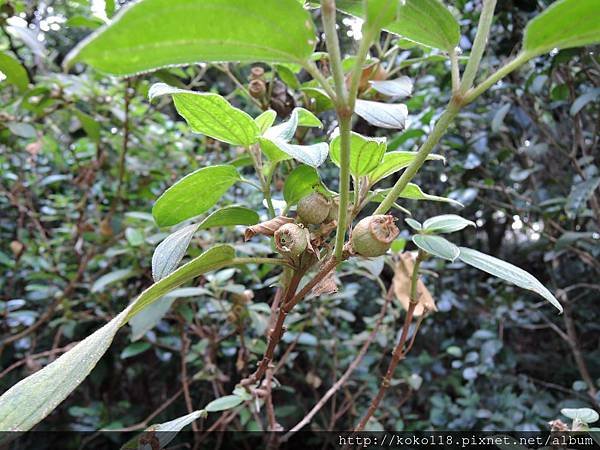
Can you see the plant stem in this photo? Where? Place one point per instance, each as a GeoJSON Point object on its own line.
{"type": "Point", "coordinates": [434, 137]}
{"type": "Point", "coordinates": [475, 92]}
{"type": "Point", "coordinates": [483, 30]}
{"type": "Point", "coordinates": [314, 72]}
{"type": "Point", "coordinates": [333, 48]}
{"type": "Point", "coordinates": [342, 225]}
{"type": "Point", "coordinates": [455, 71]}
{"type": "Point", "coordinates": [399, 351]}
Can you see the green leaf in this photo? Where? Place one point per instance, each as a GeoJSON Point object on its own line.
{"type": "Point", "coordinates": [33, 398]}
{"type": "Point", "coordinates": [308, 119]}
{"type": "Point", "coordinates": [383, 115]}
{"type": "Point", "coordinates": [365, 152]}
{"type": "Point", "coordinates": [89, 125]}
{"type": "Point", "coordinates": [171, 251]}
{"type": "Point", "coordinates": [446, 223]}
{"type": "Point", "coordinates": [193, 194]}
{"type": "Point", "coordinates": [414, 192]}
{"type": "Point", "coordinates": [579, 195]}
{"type": "Point", "coordinates": [585, 415]}
{"type": "Point", "coordinates": [302, 181]}
{"type": "Point", "coordinates": [230, 216]}
{"type": "Point", "coordinates": [134, 349]}
{"type": "Point", "coordinates": [399, 88]}
{"type": "Point", "coordinates": [223, 403]}
{"type": "Point", "coordinates": [152, 34]}
{"type": "Point", "coordinates": [110, 278]}
{"type": "Point", "coordinates": [507, 272]}
{"type": "Point", "coordinates": [437, 246]}
{"type": "Point", "coordinates": [313, 155]}
{"type": "Point", "coordinates": [581, 101]}
{"type": "Point", "coordinates": [565, 24]}
{"type": "Point", "coordinates": [14, 72]}
{"type": "Point", "coordinates": [210, 114]}
{"type": "Point", "coordinates": [426, 22]}
{"type": "Point", "coordinates": [147, 319]}
{"type": "Point", "coordinates": [212, 259]}
{"type": "Point", "coordinates": [414, 224]}
{"type": "Point", "coordinates": [265, 120]}
{"type": "Point", "coordinates": [392, 162]}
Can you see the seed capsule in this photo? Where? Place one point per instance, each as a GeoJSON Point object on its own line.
{"type": "Point", "coordinates": [373, 235]}
{"type": "Point", "coordinates": [314, 208]}
{"type": "Point", "coordinates": [291, 239]}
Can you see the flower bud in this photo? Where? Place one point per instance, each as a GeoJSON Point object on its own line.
{"type": "Point", "coordinates": [314, 208]}
{"type": "Point", "coordinates": [257, 88]}
{"type": "Point", "coordinates": [373, 235]}
{"type": "Point", "coordinates": [291, 239]}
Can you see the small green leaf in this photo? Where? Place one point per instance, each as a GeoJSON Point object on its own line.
{"type": "Point", "coordinates": [399, 88]}
{"type": "Point", "coordinates": [110, 278]}
{"type": "Point", "coordinates": [210, 114]}
{"type": "Point", "coordinates": [581, 101]}
{"type": "Point", "coordinates": [134, 349]}
{"type": "Point", "coordinates": [446, 223]}
{"type": "Point", "coordinates": [14, 72]}
{"type": "Point", "coordinates": [365, 152]}
{"type": "Point", "coordinates": [171, 251]}
{"type": "Point", "coordinates": [308, 119]}
{"type": "Point", "coordinates": [579, 195]}
{"type": "Point", "coordinates": [164, 432]}
{"type": "Point", "coordinates": [585, 415]}
{"type": "Point", "coordinates": [265, 120]}
{"type": "Point", "coordinates": [393, 162]}
{"type": "Point", "coordinates": [414, 192]}
{"type": "Point", "coordinates": [147, 319]}
{"type": "Point", "coordinates": [383, 115]}
{"type": "Point", "coordinates": [188, 32]}
{"type": "Point", "coordinates": [507, 272]}
{"type": "Point", "coordinates": [223, 403]}
{"type": "Point", "coordinates": [436, 246]}
{"type": "Point", "coordinates": [89, 125]}
{"type": "Point", "coordinates": [565, 24]}
{"type": "Point", "coordinates": [302, 181]}
{"type": "Point", "coordinates": [193, 194]}
{"type": "Point", "coordinates": [134, 237]}
{"type": "Point", "coordinates": [414, 224]}
{"type": "Point", "coordinates": [313, 155]}
{"type": "Point", "coordinates": [230, 216]}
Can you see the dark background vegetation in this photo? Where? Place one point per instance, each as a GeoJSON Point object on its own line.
{"type": "Point", "coordinates": [83, 157]}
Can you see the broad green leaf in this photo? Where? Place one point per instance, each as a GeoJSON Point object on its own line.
{"type": "Point", "coordinates": [285, 131]}
{"type": "Point", "coordinates": [152, 34]}
{"type": "Point", "coordinates": [164, 432]}
{"type": "Point", "coordinates": [210, 114]}
{"type": "Point", "coordinates": [272, 150]}
{"type": "Point", "coordinates": [565, 24]}
{"type": "Point", "coordinates": [436, 246]}
{"type": "Point", "coordinates": [265, 120]}
{"type": "Point", "coordinates": [110, 278]}
{"type": "Point", "coordinates": [392, 162]}
{"type": "Point", "coordinates": [507, 272]}
{"type": "Point", "coordinates": [585, 415]}
{"type": "Point", "coordinates": [426, 22]}
{"type": "Point", "coordinates": [229, 216]}
{"type": "Point", "coordinates": [193, 194]}
{"type": "Point", "coordinates": [365, 152]}
{"type": "Point", "coordinates": [212, 259]}
{"type": "Point", "coordinates": [170, 251]}
{"type": "Point", "coordinates": [14, 72]}
{"type": "Point", "coordinates": [398, 88]}
{"type": "Point", "coordinates": [33, 398]}
{"type": "Point", "coordinates": [223, 403]}
{"type": "Point", "coordinates": [446, 223]}
{"type": "Point", "coordinates": [89, 125]}
{"type": "Point", "coordinates": [302, 181]}
{"type": "Point", "coordinates": [383, 115]}
{"type": "Point", "coordinates": [313, 155]}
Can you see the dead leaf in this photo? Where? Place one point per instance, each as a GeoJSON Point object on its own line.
{"type": "Point", "coordinates": [327, 285]}
{"type": "Point", "coordinates": [267, 228]}
{"type": "Point", "coordinates": [402, 274]}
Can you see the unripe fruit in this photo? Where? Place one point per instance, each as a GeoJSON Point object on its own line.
{"type": "Point", "coordinates": [291, 239]}
{"type": "Point", "coordinates": [257, 88]}
{"type": "Point", "coordinates": [333, 211]}
{"type": "Point", "coordinates": [314, 208]}
{"type": "Point", "coordinates": [373, 235]}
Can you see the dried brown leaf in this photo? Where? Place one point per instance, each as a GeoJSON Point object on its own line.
{"type": "Point", "coordinates": [401, 282]}
{"type": "Point", "coordinates": [267, 228]}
